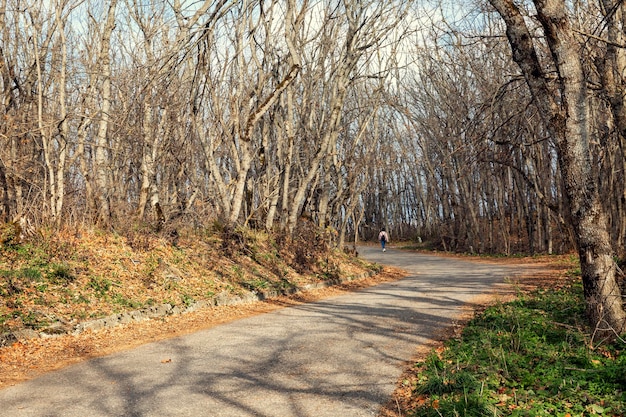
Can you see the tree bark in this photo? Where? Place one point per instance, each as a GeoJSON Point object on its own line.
{"type": "Point", "coordinates": [564, 109]}
{"type": "Point", "coordinates": [613, 73]}
{"type": "Point", "coordinates": [101, 158]}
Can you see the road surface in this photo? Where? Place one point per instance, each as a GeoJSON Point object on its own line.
{"type": "Point", "coordinates": [337, 357]}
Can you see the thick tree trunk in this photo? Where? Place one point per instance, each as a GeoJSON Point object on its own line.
{"type": "Point", "coordinates": [565, 112]}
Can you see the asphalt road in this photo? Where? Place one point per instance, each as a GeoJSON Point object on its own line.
{"type": "Point", "coordinates": [337, 357]}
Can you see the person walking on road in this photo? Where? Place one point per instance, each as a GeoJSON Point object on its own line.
{"type": "Point", "coordinates": [383, 237]}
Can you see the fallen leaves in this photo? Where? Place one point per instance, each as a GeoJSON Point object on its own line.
{"type": "Point", "coordinates": [29, 358]}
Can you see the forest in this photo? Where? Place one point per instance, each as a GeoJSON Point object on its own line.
{"type": "Point", "coordinates": [486, 127]}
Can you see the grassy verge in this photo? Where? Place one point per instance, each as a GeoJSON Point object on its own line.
{"type": "Point", "coordinates": [529, 357]}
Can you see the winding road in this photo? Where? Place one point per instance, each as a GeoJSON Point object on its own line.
{"type": "Point", "coordinates": [340, 356]}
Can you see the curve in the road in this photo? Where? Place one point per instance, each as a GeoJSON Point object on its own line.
{"type": "Point", "coordinates": [337, 357]}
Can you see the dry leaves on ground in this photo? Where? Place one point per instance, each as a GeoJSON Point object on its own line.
{"type": "Point", "coordinates": [27, 359]}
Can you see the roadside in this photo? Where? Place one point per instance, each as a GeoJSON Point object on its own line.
{"type": "Point", "coordinates": [58, 283]}
{"type": "Point", "coordinates": [27, 359]}
{"type": "Point", "coordinates": [336, 355]}
{"type": "Point", "coordinates": [543, 271]}
{"type": "Point", "coordinates": [534, 355]}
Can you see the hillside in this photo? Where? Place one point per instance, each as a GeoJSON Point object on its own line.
{"type": "Point", "coordinates": [56, 280]}
{"type": "Point", "coordinates": [52, 284]}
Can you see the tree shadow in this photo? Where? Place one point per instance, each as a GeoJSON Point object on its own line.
{"type": "Point", "coordinates": [338, 356]}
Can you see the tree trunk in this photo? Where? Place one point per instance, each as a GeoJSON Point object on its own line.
{"type": "Point", "coordinates": [287, 159]}
{"type": "Point", "coordinates": [565, 112]}
{"type": "Point", "coordinates": [613, 71]}
{"type": "Point", "coordinates": [63, 128]}
{"type": "Point", "coordinates": [151, 143]}
{"type": "Point", "coordinates": [101, 159]}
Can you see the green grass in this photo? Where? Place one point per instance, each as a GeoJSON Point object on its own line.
{"type": "Point", "coordinates": [257, 284]}
{"type": "Point", "coordinates": [529, 357]}
{"type": "Point", "coordinates": [101, 286]}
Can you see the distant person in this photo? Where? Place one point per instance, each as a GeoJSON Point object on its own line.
{"type": "Point", "coordinates": [383, 237]}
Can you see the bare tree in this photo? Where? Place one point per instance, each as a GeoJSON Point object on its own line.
{"type": "Point", "coordinates": [564, 107]}
{"type": "Point", "coordinates": [20, 174]}
{"type": "Point", "coordinates": [367, 25]}
{"type": "Point", "coordinates": [612, 66]}
{"type": "Point", "coordinates": [101, 154]}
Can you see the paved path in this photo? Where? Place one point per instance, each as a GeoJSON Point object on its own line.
{"type": "Point", "coordinates": [337, 357]}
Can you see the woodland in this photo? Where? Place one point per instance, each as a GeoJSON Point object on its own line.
{"type": "Point", "coordinates": [492, 127]}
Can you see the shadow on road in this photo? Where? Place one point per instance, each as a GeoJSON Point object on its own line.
{"type": "Point", "coordinates": [338, 356]}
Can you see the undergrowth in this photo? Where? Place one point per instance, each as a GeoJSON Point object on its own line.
{"type": "Point", "coordinates": [67, 276]}
{"type": "Point", "coordinates": [529, 357]}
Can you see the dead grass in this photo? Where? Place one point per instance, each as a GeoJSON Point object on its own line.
{"type": "Point", "coordinates": [68, 277]}
{"type": "Point", "coordinates": [90, 273]}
